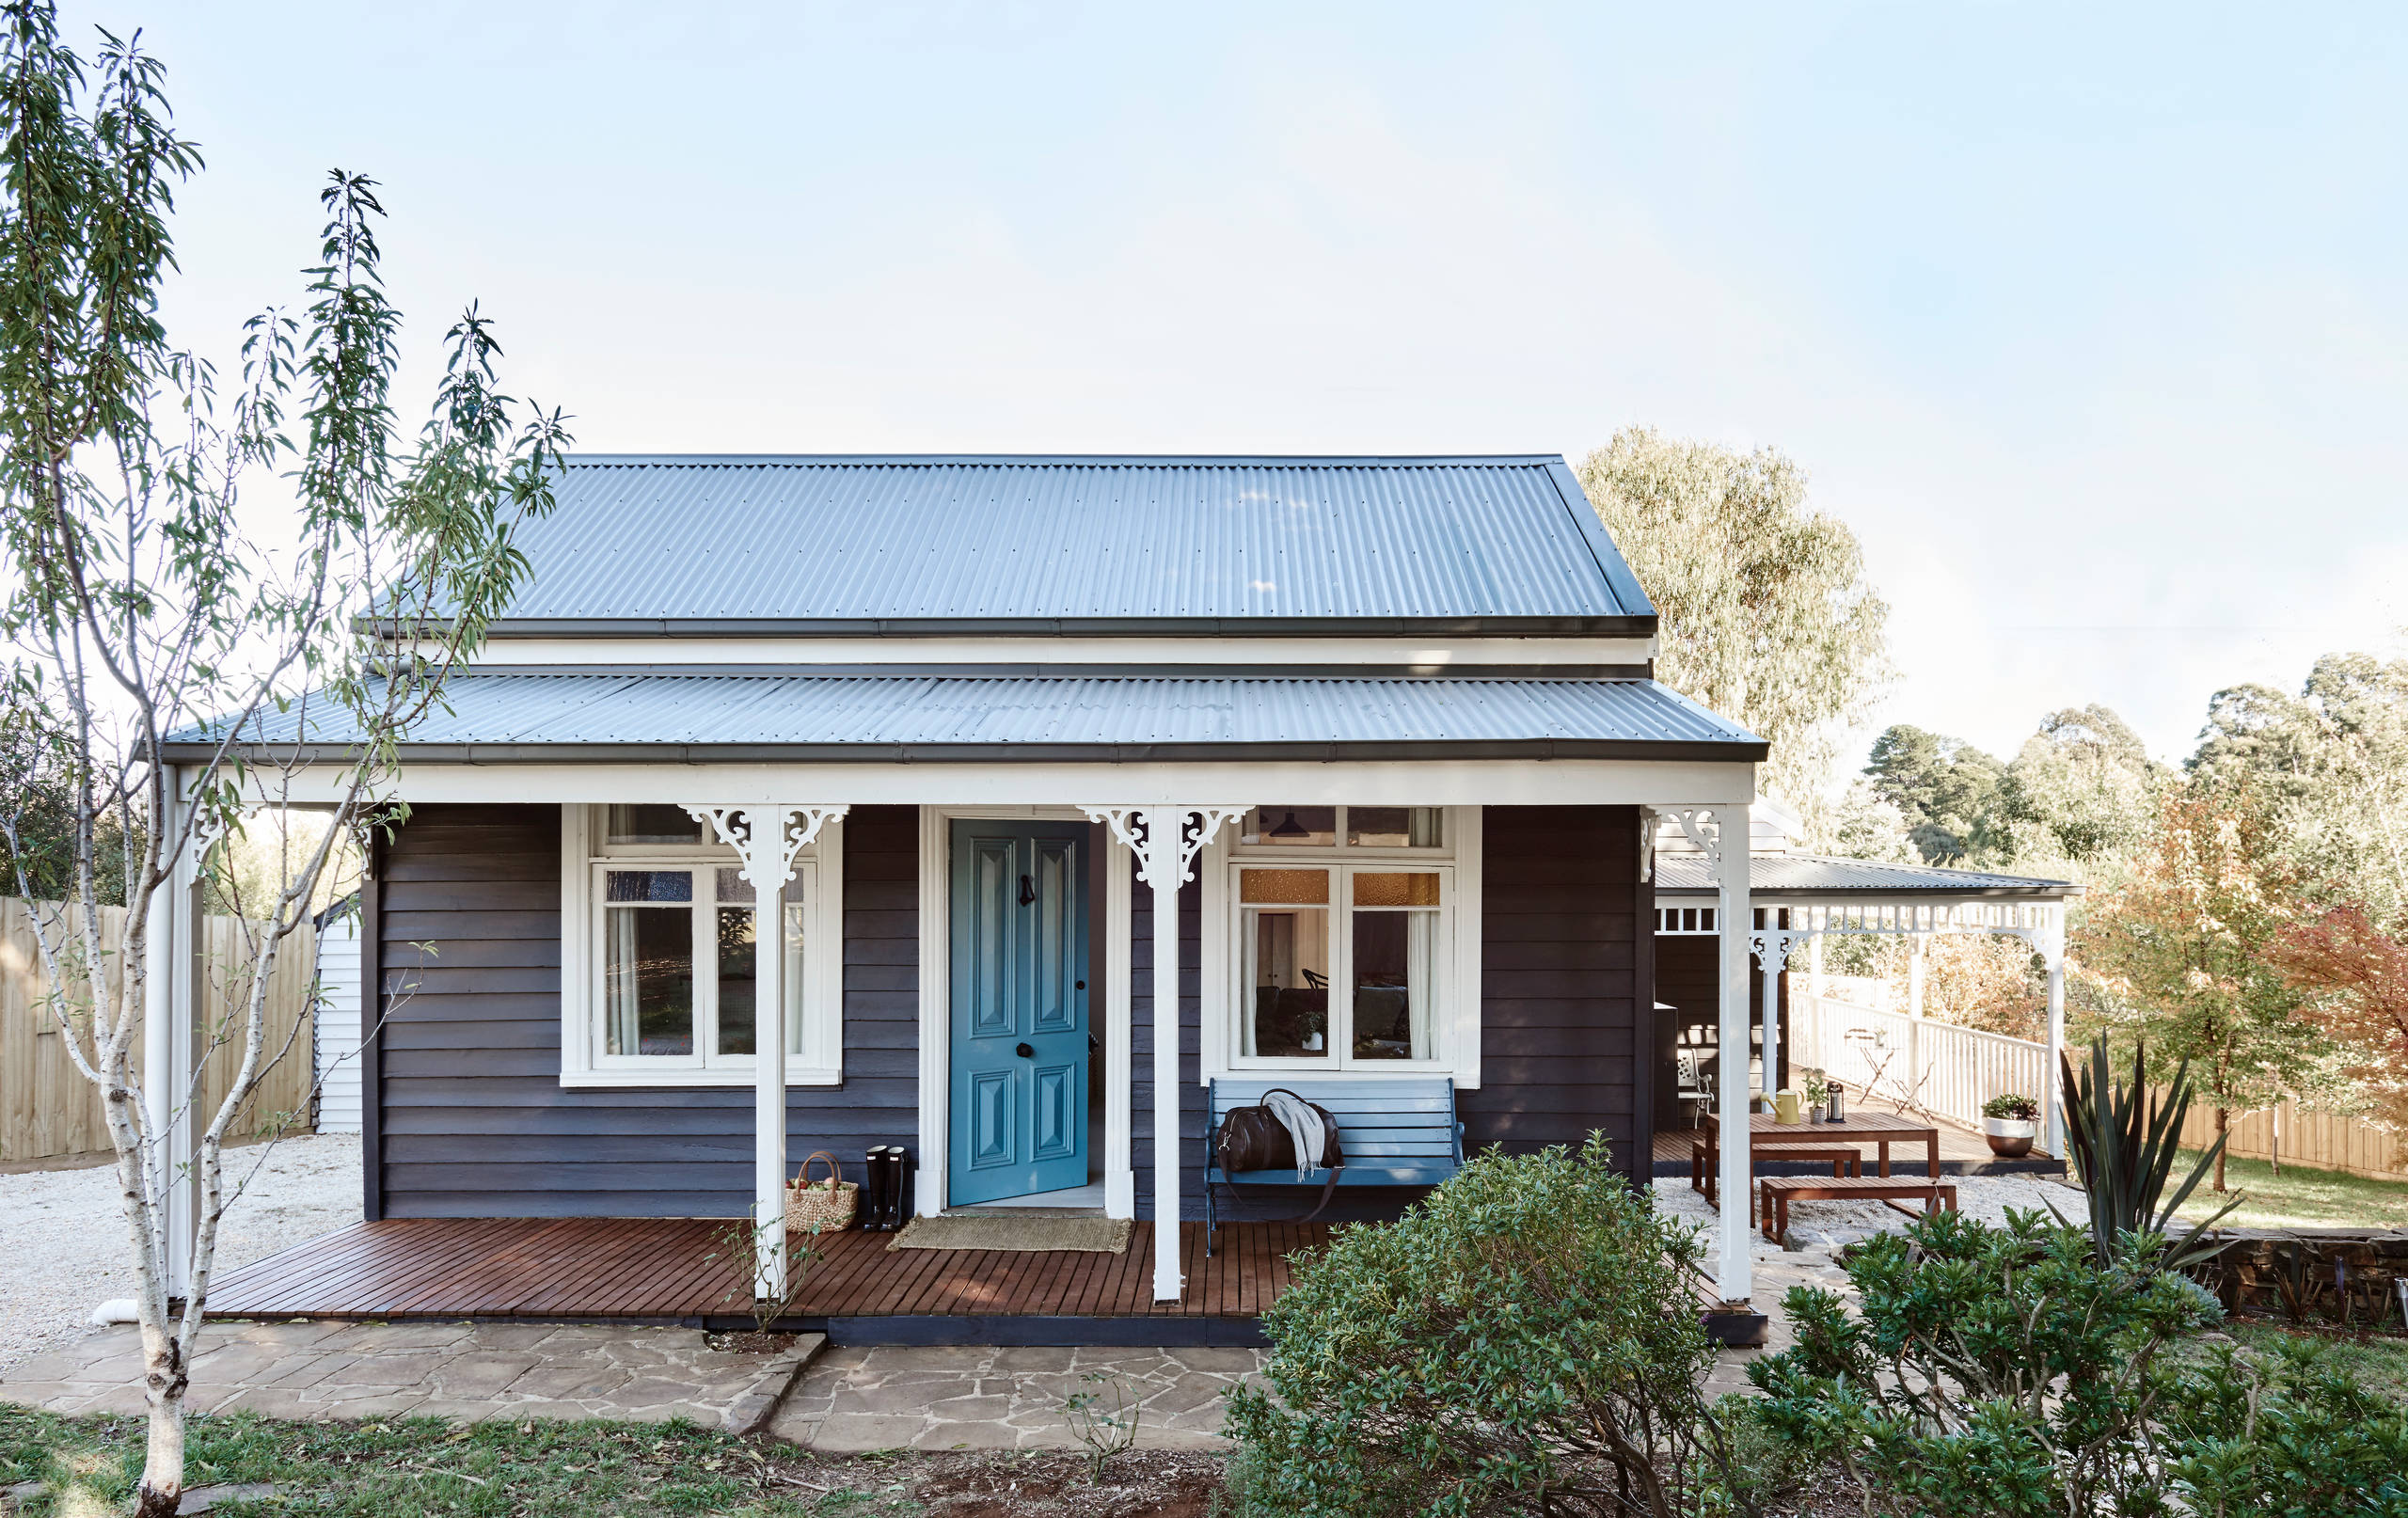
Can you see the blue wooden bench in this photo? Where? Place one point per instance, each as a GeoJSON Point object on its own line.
{"type": "Point", "coordinates": [1395, 1132]}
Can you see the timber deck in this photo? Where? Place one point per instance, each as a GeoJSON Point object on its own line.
{"type": "Point", "coordinates": [675, 1271]}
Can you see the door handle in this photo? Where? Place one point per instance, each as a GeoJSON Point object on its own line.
{"type": "Point", "coordinates": [1026, 1052]}
{"type": "Point", "coordinates": [1027, 891]}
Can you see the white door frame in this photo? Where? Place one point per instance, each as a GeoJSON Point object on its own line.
{"type": "Point", "coordinates": [936, 1002]}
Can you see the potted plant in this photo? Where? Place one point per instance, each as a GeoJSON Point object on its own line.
{"type": "Point", "coordinates": [2010, 1122]}
{"type": "Point", "coordinates": [1818, 1093]}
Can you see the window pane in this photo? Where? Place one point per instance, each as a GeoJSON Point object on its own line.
{"type": "Point", "coordinates": [1301, 888]}
{"type": "Point", "coordinates": [1290, 827]}
{"type": "Point", "coordinates": [1287, 980]}
{"type": "Point", "coordinates": [648, 981]}
{"type": "Point", "coordinates": [732, 885]}
{"type": "Point", "coordinates": [652, 825]}
{"type": "Point", "coordinates": [1395, 978]}
{"type": "Point", "coordinates": [648, 885]}
{"type": "Point", "coordinates": [1395, 827]}
{"type": "Point", "coordinates": [1418, 889]}
{"type": "Point", "coordinates": [738, 975]}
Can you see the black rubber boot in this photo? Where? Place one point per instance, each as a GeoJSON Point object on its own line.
{"type": "Point", "coordinates": [894, 1168]}
{"type": "Point", "coordinates": [873, 1201]}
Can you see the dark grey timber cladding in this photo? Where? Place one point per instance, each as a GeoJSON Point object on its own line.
{"type": "Point", "coordinates": [471, 1114]}
{"type": "Point", "coordinates": [1141, 1048]}
{"type": "Point", "coordinates": [1559, 984]}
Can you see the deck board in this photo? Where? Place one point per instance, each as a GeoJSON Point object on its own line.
{"type": "Point", "coordinates": [656, 1268]}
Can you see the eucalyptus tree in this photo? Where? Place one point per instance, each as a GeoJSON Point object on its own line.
{"type": "Point", "coordinates": [1766, 615]}
{"type": "Point", "coordinates": [138, 607]}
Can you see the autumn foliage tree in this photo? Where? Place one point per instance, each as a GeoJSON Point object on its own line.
{"type": "Point", "coordinates": [2183, 955]}
{"type": "Point", "coordinates": [2355, 976]}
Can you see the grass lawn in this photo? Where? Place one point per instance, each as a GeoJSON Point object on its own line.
{"type": "Point", "coordinates": [407, 1469]}
{"type": "Point", "coordinates": [422, 1467]}
{"type": "Point", "coordinates": [2298, 1198]}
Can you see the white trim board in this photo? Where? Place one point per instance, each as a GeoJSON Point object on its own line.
{"type": "Point", "coordinates": [1658, 783]}
{"type": "Point", "coordinates": [1433, 655]}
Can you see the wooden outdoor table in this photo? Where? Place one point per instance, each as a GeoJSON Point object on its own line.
{"type": "Point", "coordinates": [1879, 1128]}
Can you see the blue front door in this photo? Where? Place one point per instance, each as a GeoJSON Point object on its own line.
{"type": "Point", "coordinates": [1020, 1009]}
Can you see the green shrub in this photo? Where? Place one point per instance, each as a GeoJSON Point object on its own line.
{"type": "Point", "coordinates": [1524, 1341]}
{"type": "Point", "coordinates": [2003, 1373]}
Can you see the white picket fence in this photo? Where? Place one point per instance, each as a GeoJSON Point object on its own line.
{"type": "Point", "coordinates": [1941, 1069]}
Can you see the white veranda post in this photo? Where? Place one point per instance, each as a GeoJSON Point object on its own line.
{"type": "Point", "coordinates": [768, 839]}
{"type": "Point", "coordinates": [1165, 842]}
{"type": "Point", "coordinates": [170, 993]}
{"type": "Point", "coordinates": [2052, 954]}
{"type": "Point", "coordinates": [1724, 844]}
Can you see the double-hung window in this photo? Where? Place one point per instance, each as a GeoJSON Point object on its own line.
{"type": "Point", "coordinates": [662, 983]}
{"type": "Point", "coordinates": [1346, 923]}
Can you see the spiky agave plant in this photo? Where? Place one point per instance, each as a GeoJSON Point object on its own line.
{"type": "Point", "coordinates": [2125, 1141]}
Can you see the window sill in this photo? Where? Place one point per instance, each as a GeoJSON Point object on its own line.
{"type": "Point", "coordinates": [721, 1080]}
{"type": "Point", "coordinates": [1310, 1069]}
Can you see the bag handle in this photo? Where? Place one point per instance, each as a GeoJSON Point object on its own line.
{"type": "Point", "coordinates": [836, 1171]}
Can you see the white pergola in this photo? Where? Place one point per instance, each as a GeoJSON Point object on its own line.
{"type": "Point", "coordinates": [1159, 817]}
{"type": "Point", "coordinates": [1779, 929]}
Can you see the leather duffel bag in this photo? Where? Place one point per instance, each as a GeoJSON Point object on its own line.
{"type": "Point", "coordinates": [1253, 1138]}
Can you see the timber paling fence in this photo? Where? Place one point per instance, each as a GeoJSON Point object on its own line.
{"type": "Point", "coordinates": [1949, 1071]}
{"type": "Point", "coordinates": [49, 1110]}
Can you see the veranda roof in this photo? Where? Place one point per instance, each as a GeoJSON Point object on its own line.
{"type": "Point", "coordinates": [1809, 875]}
{"type": "Point", "coordinates": [693, 716]}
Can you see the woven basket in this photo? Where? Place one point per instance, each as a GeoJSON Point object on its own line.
{"type": "Point", "coordinates": [823, 1206]}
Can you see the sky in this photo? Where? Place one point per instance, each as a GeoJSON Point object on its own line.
{"type": "Point", "coordinates": [2091, 322]}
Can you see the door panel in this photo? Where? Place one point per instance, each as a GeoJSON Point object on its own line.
{"type": "Point", "coordinates": [1019, 1087]}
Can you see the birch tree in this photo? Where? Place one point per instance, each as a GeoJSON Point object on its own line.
{"type": "Point", "coordinates": [138, 611]}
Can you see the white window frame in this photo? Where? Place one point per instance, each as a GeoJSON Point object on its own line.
{"type": "Point", "coordinates": [818, 884]}
{"type": "Point", "coordinates": [1455, 1026]}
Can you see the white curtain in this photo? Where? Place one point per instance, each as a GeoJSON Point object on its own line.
{"type": "Point", "coordinates": [620, 978]}
{"type": "Point", "coordinates": [1421, 979]}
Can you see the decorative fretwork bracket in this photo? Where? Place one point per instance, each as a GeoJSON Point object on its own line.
{"type": "Point", "coordinates": [1691, 819]}
{"type": "Point", "coordinates": [1772, 950]}
{"type": "Point", "coordinates": [1159, 868]}
{"type": "Point", "coordinates": [768, 858]}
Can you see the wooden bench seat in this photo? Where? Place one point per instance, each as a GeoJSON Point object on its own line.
{"type": "Point", "coordinates": [1777, 1191]}
{"type": "Point", "coordinates": [1844, 1162]}
{"type": "Point", "coordinates": [1394, 1132]}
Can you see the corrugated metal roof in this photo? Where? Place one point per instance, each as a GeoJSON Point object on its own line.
{"type": "Point", "coordinates": [1775, 875]}
{"type": "Point", "coordinates": [1095, 542]}
{"type": "Point", "coordinates": [501, 716]}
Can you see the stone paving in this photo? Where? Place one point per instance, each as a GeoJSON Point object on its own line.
{"type": "Point", "coordinates": [984, 1397]}
{"type": "Point", "coordinates": [304, 1369]}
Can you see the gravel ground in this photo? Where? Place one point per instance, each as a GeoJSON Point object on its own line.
{"type": "Point", "coordinates": [1826, 1225]}
{"type": "Point", "coordinates": [64, 1231]}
